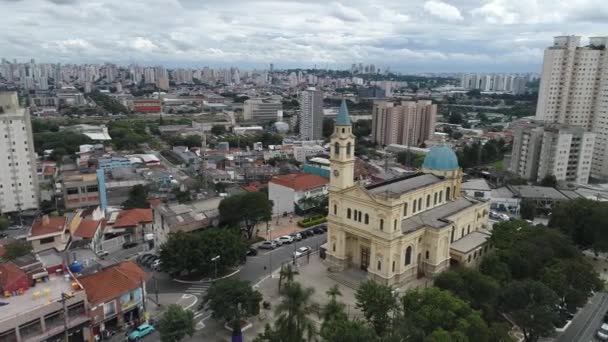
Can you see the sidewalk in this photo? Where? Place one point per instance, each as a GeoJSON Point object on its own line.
{"type": "Point", "coordinates": [285, 226]}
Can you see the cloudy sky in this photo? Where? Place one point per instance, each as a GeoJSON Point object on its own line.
{"type": "Point", "coordinates": [406, 35]}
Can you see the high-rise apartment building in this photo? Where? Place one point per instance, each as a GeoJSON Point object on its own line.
{"type": "Point", "coordinates": [543, 149]}
{"type": "Point", "coordinates": [262, 109]}
{"type": "Point", "coordinates": [409, 123]}
{"type": "Point", "coordinates": [574, 91]}
{"type": "Point", "coordinates": [18, 180]}
{"type": "Point", "coordinates": [311, 114]}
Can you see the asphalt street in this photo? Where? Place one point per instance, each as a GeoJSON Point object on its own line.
{"type": "Point", "coordinates": [587, 321]}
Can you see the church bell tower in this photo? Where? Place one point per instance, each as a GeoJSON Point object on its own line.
{"type": "Point", "coordinates": [342, 152]}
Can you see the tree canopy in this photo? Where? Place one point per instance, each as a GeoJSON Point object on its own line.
{"type": "Point", "coordinates": [138, 198]}
{"type": "Point", "coordinates": [584, 221]}
{"type": "Point", "coordinates": [17, 249]}
{"type": "Point", "coordinates": [175, 324]}
{"type": "Point", "coordinates": [245, 210]}
{"type": "Point", "coordinates": [188, 253]}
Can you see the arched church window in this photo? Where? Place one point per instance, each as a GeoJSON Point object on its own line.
{"type": "Point", "coordinates": [335, 209]}
{"type": "Point", "coordinates": [435, 199]}
{"type": "Point", "coordinates": [440, 196]}
{"type": "Point", "coordinates": [405, 209]}
{"type": "Point", "coordinates": [348, 213]}
{"type": "Point", "coordinates": [447, 194]}
{"type": "Point", "coordinates": [381, 224]}
{"type": "Point", "coordinates": [343, 130]}
{"type": "Point", "coordinates": [395, 226]}
{"type": "Point", "coordinates": [453, 230]}
{"type": "Point", "coordinates": [408, 255]}
{"type": "Point", "coordinates": [379, 265]}
{"type": "Point", "coordinates": [366, 219]}
{"type": "Point", "coordinates": [348, 149]}
{"type": "Point", "coordinates": [427, 254]}
{"type": "Point", "coordinates": [419, 204]}
{"type": "Point", "coordinates": [428, 201]}
{"type": "Point", "coordinates": [337, 149]}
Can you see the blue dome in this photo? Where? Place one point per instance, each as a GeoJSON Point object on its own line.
{"type": "Point", "coordinates": [441, 158]}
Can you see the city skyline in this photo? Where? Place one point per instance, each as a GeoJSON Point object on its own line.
{"type": "Point", "coordinates": [484, 36]}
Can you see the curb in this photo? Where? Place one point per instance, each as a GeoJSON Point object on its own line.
{"type": "Point", "coordinates": [206, 280]}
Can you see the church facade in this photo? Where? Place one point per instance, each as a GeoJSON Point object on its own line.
{"type": "Point", "coordinates": [404, 228]}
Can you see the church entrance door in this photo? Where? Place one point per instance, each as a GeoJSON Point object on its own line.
{"type": "Point", "coordinates": [364, 258]}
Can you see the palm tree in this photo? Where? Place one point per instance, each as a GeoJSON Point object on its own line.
{"type": "Point", "coordinates": [293, 322]}
{"type": "Point", "coordinates": [333, 309]}
{"type": "Point", "coordinates": [286, 273]}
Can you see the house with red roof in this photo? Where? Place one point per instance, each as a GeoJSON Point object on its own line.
{"type": "Point", "coordinates": [296, 192]}
{"type": "Point", "coordinates": [115, 296]}
{"type": "Point", "coordinates": [49, 233]}
{"type": "Point", "coordinates": [133, 223]}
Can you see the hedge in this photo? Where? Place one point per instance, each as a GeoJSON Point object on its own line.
{"type": "Point", "coordinates": [313, 221]}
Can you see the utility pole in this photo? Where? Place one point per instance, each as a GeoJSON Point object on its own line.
{"type": "Point", "coordinates": [215, 259]}
{"type": "Point", "coordinates": [64, 298]}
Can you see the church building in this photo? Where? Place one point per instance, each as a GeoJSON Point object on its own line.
{"type": "Point", "coordinates": [404, 228]}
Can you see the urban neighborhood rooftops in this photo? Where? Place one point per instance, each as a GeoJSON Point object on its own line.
{"type": "Point", "coordinates": [133, 217]}
{"type": "Point", "coordinates": [48, 225]}
{"type": "Point", "coordinates": [300, 181]}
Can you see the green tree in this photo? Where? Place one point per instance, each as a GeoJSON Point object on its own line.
{"type": "Point", "coordinates": [427, 312]}
{"type": "Point", "coordinates": [474, 93]}
{"type": "Point", "coordinates": [548, 180]}
{"type": "Point", "coordinates": [377, 303]}
{"type": "Point", "coordinates": [233, 300]}
{"type": "Point", "coordinates": [218, 129]}
{"type": "Point", "coordinates": [345, 330]}
{"type": "Point", "coordinates": [531, 305]}
{"type": "Point", "coordinates": [175, 324]}
{"type": "Point", "coordinates": [245, 210]}
{"type": "Point", "coordinates": [293, 323]}
{"type": "Point", "coordinates": [494, 267]}
{"type": "Point", "coordinates": [518, 181]}
{"type": "Point", "coordinates": [188, 253]}
{"type": "Point", "coordinates": [17, 249]}
{"type": "Point", "coordinates": [181, 196]}
{"type": "Point", "coordinates": [479, 290]}
{"type": "Point", "coordinates": [581, 219]}
{"type": "Point", "coordinates": [138, 198]}
{"type": "Point", "coordinates": [328, 127]}
{"type": "Point", "coordinates": [573, 280]}
{"type": "Point", "coordinates": [527, 209]}
{"type": "Point", "coordinates": [4, 223]}
{"type": "Point", "coordinates": [455, 118]}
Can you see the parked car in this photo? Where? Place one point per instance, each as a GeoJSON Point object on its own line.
{"type": "Point", "coordinates": [278, 242]}
{"type": "Point", "coordinates": [286, 239]}
{"type": "Point", "coordinates": [307, 233]}
{"type": "Point", "coordinates": [141, 331]}
{"type": "Point", "coordinates": [147, 258]}
{"type": "Point", "coordinates": [268, 245]}
{"type": "Point", "coordinates": [102, 254]}
{"type": "Point", "coordinates": [296, 236]}
{"type": "Point", "coordinates": [252, 252]}
{"type": "Point", "coordinates": [302, 251]}
{"type": "Point", "coordinates": [602, 333]}
{"type": "Point", "coordinates": [318, 230]}
{"type": "Point", "coordinates": [129, 244]}
{"type": "Point", "coordinates": [324, 227]}
{"type": "Point", "coordinates": [3, 235]}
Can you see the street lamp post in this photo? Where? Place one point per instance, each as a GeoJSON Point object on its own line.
{"type": "Point", "coordinates": [215, 259]}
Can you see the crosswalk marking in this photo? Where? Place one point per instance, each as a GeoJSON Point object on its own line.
{"type": "Point", "coordinates": [198, 288]}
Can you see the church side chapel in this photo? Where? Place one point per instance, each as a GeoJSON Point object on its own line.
{"type": "Point", "coordinates": [404, 228]}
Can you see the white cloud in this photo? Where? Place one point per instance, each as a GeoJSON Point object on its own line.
{"type": "Point", "coordinates": [484, 35]}
{"type": "Point", "coordinates": [443, 11]}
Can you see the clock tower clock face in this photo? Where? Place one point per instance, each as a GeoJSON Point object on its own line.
{"type": "Point", "coordinates": [336, 173]}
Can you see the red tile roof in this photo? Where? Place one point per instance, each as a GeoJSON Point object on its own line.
{"type": "Point", "coordinates": [43, 227]}
{"type": "Point", "coordinates": [9, 273]}
{"type": "Point", "coordinates": [300, 181]}
{"type": "Point", "coordinates": [252, 187]}
{"type": "Point", "coordinates": [112, 282]}
{"type": "Point", "coordinates": [133, 217]}
{"type": "Point", "coordinates": [87, 228]}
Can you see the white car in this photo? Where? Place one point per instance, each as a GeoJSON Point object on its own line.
{"type": "Point", "coordinates": [156, 265]}
{"type": "Point", "coordinates": [278, 242]}
{"type": "Point", "coordinates": [286, 239]}
{"type": "Point", "coordinates": [302, 251]}
{"type": "Point", "coordinates": [602, 333]}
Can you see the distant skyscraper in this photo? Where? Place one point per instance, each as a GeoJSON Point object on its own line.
{"type": "Point", "coordinates": [271, 67]}
{"type": "Point", "coordinates": [18, 179]}
{"type": "Point", "coordinates": [311, 114]}
{"type": "Point", "coordinates": [574, 91]}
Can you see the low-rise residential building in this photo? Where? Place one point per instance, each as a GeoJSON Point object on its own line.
{"type": "Point", "coordinates": [135, 223]}
{"type": "Point", "coordinates": [49, 233]}
{"type": "Point", "coordinates": [41, 310]}
{"type": "Point", "coordinates": [116, 297]}
{"type": "Point", "coordinates": [302, 152]}
{"type": "Point", "coordinates": [177, 218]}
{"type": "Point", "coordinates": [295, 192]}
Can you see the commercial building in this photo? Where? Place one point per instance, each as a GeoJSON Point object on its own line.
{"type": "Point", "coordinates": [295, 192]}
{"type": "Point", "coordinates": [300, 153]}
{"type": "Point", "coordinates": [543, 149]}
{"type": "Point", "coordinates": [409, 123]}
{"type": "Point", "coordinates": [147, 106]}
{"type": "Point", "coordinates": [403, 228]}
{"type": "Point", "coordinates": [311, 114]}
{"type": "Point", "coordinates": [41, 310]}
{"type": "Point", "coordinates": [260, 110]}
{"type": "Point", "coordinates": [80, 190]}
{"type": "Point", "coordinates": [18, 178]}
{"type": "Point", "coordinates": [574, 91]}
{"type": "Point", "coordinates": [116, 296]}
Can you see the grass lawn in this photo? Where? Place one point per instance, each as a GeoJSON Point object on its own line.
{"type": "Point", "coordinates": [499, 165]}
